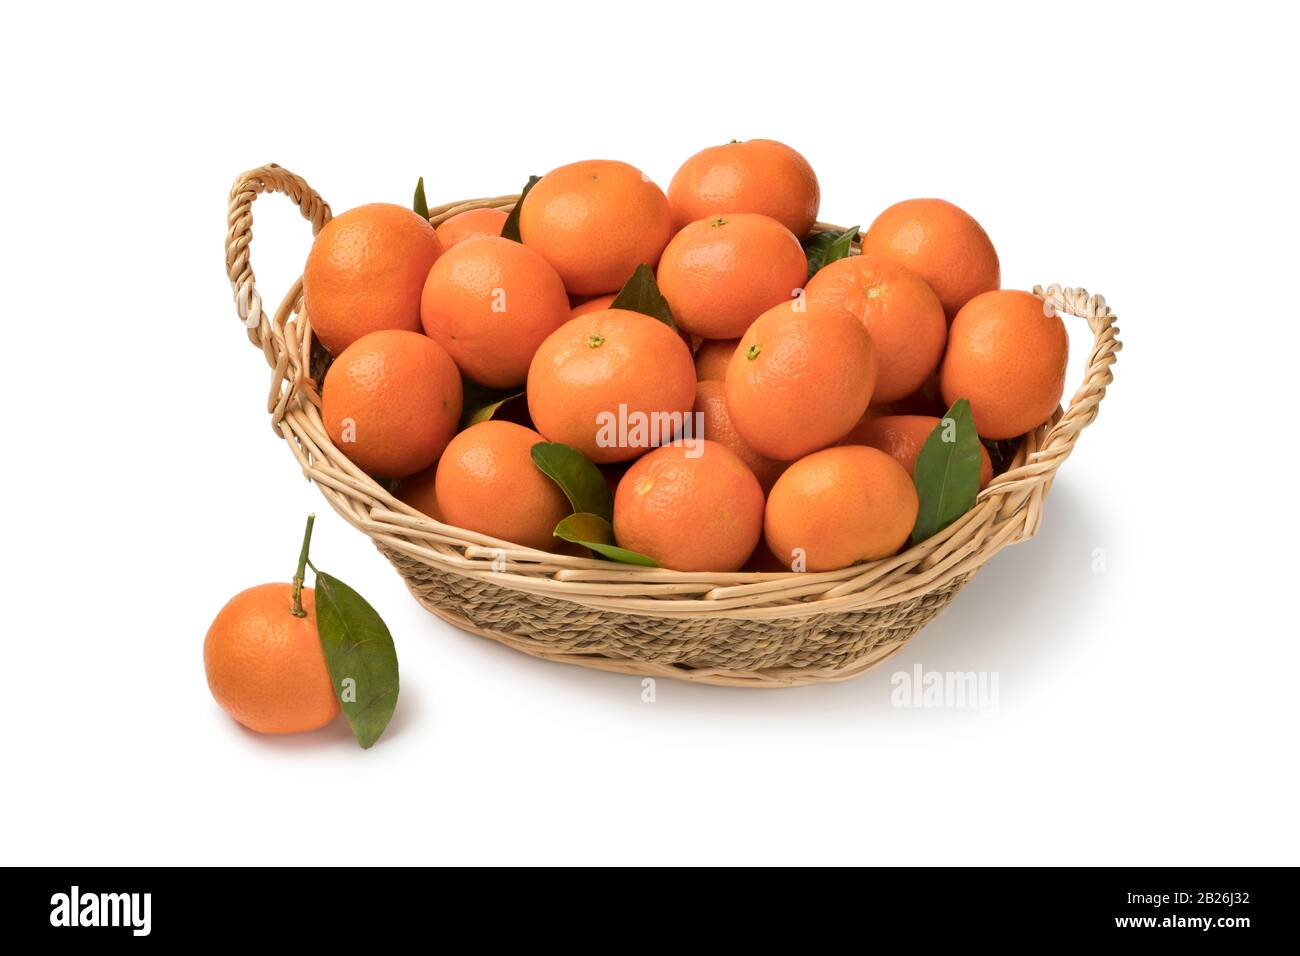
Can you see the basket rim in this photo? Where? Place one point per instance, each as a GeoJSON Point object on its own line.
{"type": "Point", "coordinates": [1007, 511]}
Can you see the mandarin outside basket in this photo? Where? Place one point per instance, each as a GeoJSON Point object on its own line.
{"type": "Point", "coordinates": [740, 629]}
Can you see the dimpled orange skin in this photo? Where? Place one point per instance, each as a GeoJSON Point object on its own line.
{"type": "Point", "coordinates": [942, 244]}
{"type": "Point", "coordinates": [719, 274]}
{"type": "Point", "coordinates": [398, 396]}
{"type": "Point", "coordinates": [470, 224]}
{"type": "Point", "coordinates": [592, 364]}
{"type": "Point", "coordinates": [716, 425]}
{"type": "Point", "coordinates": [365, 272]}
{"type": "Point", "coordinates": [1008, 358]}
{"type": "Point", "coordinates": [265, 666]}
{"type": "Point", "coordinates": [839, 506]}
{"type": "Point", "coordinates": [487, 482]}
{"type": "Point", "coordinates": [901, 437]}
{"type": "Point", "coordinates": [759, 175]}
{"type": "Point", "coordinates": [800, 379]}
{"type": "Point", "coordinates": [490, 302]}
{"type": "Point", "coordinates": [712, 358]}
{"type": "Point", "coordinates": [691, 507]}
{"type": "Point", "coordinates": [595, 221]}
{"type": "Point", "coordinates": [598, 304]}
{"type": "Point", "coordinates": [902, 313]}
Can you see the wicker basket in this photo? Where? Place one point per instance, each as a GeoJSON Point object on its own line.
{"type": "Point", "coordinates": [739, 629]}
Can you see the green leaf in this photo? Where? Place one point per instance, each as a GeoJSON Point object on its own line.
{"type": "Point", "coordinates": [420, 205]}
{"type": "Point", "coordinates": [487, 411]}
{"type": "Point", "coordinates": [947, 473]}
{"type": "Point", "coordinates": [510, 228]}
{"type": "Point", "coordinates": [823, 248]}
{"type": "Point", "coordinates": [641, 294]}
{"type": "Point", "coordinates": [594, 532]}
{"type": "Point", "coordinates": [360, 656]}
{"type": "Point", "coordinates": [580, 480]}
{"type": "Point", "coordinates": [481, 403]}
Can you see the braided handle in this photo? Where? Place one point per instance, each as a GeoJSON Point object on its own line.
{"type": "Point", "coordinates": [1034, 476]}
{"type": "Point", "coordinates": [239, 236]}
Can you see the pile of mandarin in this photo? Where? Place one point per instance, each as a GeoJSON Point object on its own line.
{"type": "Point", "coordinates": [756, 398]}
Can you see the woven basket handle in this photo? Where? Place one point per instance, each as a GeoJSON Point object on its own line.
{"type": "Point", "coordinates": [239, 237]}
{"type": "Point", "coordinates": [1030, 480]}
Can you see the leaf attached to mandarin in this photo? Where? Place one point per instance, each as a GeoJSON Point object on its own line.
{"type": "Point", "coordinates": [594, 532]}
{"type": "Point", "coordinates": [510, 228]}
{"type": "Point", "coordinates": [482, 403]}
{"type": "Point", "coordinates": [823, 248]}
{"type": "Point", "coordinates": [947, 472]}
{"type": "Point", "coordinates": [420, 204]}
{"type": "Point", "coordinates": [641, 294]}
{"type": "Point", "coordinates": [359, 655]}
{"type": "Point", "coordinates": [580, 480]}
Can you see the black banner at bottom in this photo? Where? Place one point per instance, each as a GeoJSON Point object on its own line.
{"type": "Point", "coordinates": [131, 906]}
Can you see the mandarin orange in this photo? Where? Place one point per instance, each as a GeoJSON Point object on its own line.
{"type": "Point", "coordinates": [470, 224]}
{"type": "Point", "coordinates": [365, 272]}
{"type": "Point", "coordinates": [1007, 355]}
{"type": "Point", "coordinates": [691, 506]}
{"type": "Point", "coordinates": [712, 358]}
{"type": "Point", "coordinates": [758, 175]}
{"type": "Point", "coordinates": [942, 244]}
{"type": "Point", "coordinates": [902, 313]}
{"type": "Point", "coordinates": [714, 422]}
{"type": "Point", "coordinates": [721, 273]}
{"type": "Point", "coordinates": [598, 304]}
{"type": "Point", "coordinates": [490, 302]}
{"type": "Point", "coordinates": [487, 482]}
{"type": "Point", "coordinates": [800, 379]}
{"type": "Point", "coordinates": [612, 384]}
{"type": "Point", "coordinates": [595, 221]}
{"type": "Point", "coordinates": [391, 402]}
{"type": "Point", "coordinates": [839, 506]}
{"type": "Point", "coordinates": [265, 666]}
{"type": "Point", "coordinates": [901, 437]}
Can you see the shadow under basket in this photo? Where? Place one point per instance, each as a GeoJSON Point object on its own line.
{"type": "Point", "coordinates": [743, 629]}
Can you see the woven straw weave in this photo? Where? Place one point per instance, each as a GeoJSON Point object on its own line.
{"type": "Point", "coordinates": [740, 629]}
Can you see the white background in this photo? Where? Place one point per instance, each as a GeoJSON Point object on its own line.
{"type": "Point", "coordinates": [1147, 714]}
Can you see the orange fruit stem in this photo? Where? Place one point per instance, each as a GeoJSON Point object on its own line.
{"type": "Point", "coordinates": [302, 569]}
